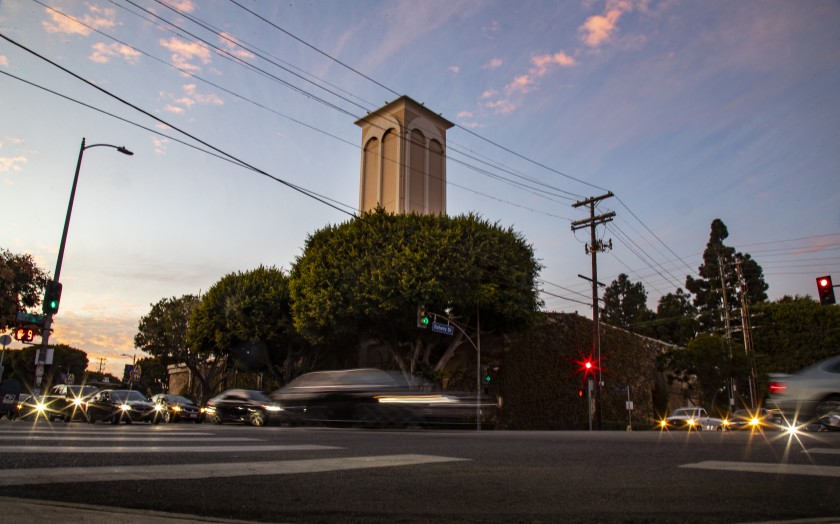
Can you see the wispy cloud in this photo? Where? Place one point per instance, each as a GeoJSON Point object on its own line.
{"type": "Point", "coordinates": [103, 53]}
{"type": "Point", "coordinates": [8, 164]}
{"type": "Point", "coordinates": [183, 53]}
{"type": "Point", "coordinates": [186, 6]}
{"type": "Point", "coordinates": [232, 46]}
{"type": "Point", "coordinates": [599, 29]}
{"type": "Point", "coordinates": [4, 61]}
{"type": "Point", "coordinates": [99, 18]}
{"type": "Point", "coordinates": [454, 69]}
{"type": "Point", "coordinates": [494, 63]}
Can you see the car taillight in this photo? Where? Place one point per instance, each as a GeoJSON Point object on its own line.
{"type": "Point", "coordinates": [777, 387]}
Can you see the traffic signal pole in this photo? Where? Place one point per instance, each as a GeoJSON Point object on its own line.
{"type": "Point", "coordinates": [593, 248]}
{"type": "Point", "coordinates": [50, 309]}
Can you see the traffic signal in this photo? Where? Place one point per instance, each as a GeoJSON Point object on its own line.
{"type": "Point", "coordinates": [487, 377]}
{"type": "Point", "coordinates": [52, 297]}
{"type": "Point", "coordinates": [581, 392]}
{"type": "Point", "coordinates": [422, 317]}
{"type": "Point", "coordinates": [825, 290]}
{"type": "Point", "coordinates": [24, 334]}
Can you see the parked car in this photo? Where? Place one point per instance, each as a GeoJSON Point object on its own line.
{"type": "Point", "coordinates": [691, 418]}
{"type": "Point", "coordinates": [175, 408]}
{"type": "Point", "coordinates": [812, 394]}
{"type": "Point", "coordinates": [122, 405]}
{"type": "Point", "coordinates": [759, 419]}
{"type": "Point", "coordinates": [242, 405]}
{"type": "Point", "coordinates": [373, 397]}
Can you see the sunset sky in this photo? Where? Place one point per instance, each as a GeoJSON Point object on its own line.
{"type": "Point", "coordinates": [686, 111]}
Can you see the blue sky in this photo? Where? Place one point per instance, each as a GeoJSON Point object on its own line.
{"type": "Point", "coordinates": [686, 111]}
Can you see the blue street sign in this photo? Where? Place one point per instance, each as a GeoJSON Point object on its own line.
{"type": "Point", "coordinates": [445, 329]}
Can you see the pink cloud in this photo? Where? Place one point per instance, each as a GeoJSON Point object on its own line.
{"type": "Point", "coordinates": [184, 52]}
{"type": "Point", "coordinates": [102, 53]}
{"type": "Point", "coordinates": [599, 28]}
{"type": "Point", "coordinates": [4, 61]}
{"type": "Point", "coordinates": [494, 63]}
{"type": "Point", "coordinates": [100, 19]}
{"type": "Point", "coordinates": [233, 47]}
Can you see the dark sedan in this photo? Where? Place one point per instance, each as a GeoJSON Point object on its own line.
{"type": "Point", "coordinates": [175, 408]}
{"type": "Point", "coordinates": [373, 397]}
{"type": "Point", "coordinates": [122, 405]}
{"type": "Point", "coordinates": [242, 405]}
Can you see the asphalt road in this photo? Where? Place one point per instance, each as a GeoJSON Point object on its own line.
{"type": "Point", "coordinates": [145, 473]}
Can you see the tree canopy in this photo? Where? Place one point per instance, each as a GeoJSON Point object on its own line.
{"type": "Point", "coordinates": [625, 305]}
{"type": "Point", "coordinates": [21, 286]}
{"type": "Point", "coordinates": [364, 280]}
{"type": "Point", "coordinates": [720, 269]}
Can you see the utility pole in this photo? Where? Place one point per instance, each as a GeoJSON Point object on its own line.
{"type": "Point", "coordinates": [728, 334]}
{"type": "Point", "coordinates": [592, 249]}
{"type": "Point", "coordinates": [745, 326]}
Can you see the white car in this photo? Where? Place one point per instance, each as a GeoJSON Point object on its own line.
{"type": "Point", "coordinates": [691, 418]}
{"type": "Point", "coordinates": [811, 394]}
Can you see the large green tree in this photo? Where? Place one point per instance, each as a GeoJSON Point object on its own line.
{"type": "Point", "coordinates": [364, 279]}
{"type": "Point", "coordinates": [67, 361]}
{"type": "Point", "coordinates": [720, 270]}
{"type": "Point", "coordinates": [676, 318]}
{"type": "Point", "coordinates": [625, 305]}
{"type": "Point", "coordinates": [162, 333]}
{"type": "Point", "coordinates": [247, 316]}
{"type": "Point", "coordinates": [21, 286]}
{"type": "Point", "coordinates": [793, 332]}
{"type": "Point", "coordinates": [705, 369]}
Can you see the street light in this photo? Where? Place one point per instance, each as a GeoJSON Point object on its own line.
{"type": "Point", "coordinates": [42, 357]}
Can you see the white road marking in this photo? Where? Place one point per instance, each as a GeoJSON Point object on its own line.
{"type": "Point", "coordinates": [821, 451]}
{"type": "Point", "coordinates": [773, 469]}
{"type": "Point", "coordinates": [16, 477]}
{"type": "Point", "coordinates": [142, 438]}
{"type": "Point", "coordinates": [156, 449]}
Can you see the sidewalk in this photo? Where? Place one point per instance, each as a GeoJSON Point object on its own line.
{"type": "Point", "coordinates": [26, 511]}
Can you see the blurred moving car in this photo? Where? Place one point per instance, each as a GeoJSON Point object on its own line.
{"type": "Point", "coordinates": [812, 394]}
{"type": "Point", "coordinates": [175, 408]}
{"type": "Point", "coordinates": [242, 405]}
{"type": "Point", "coordinates": [373, 397]}
{"type": "Point", "coordinates": [122, 405]}
{"type": "Point", "coordinates": [693, 419]}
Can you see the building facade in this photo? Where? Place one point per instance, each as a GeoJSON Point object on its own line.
{"type": "Point", "coordinates": [403, 165]}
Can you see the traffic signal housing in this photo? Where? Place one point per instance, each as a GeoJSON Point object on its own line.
{"type": "Point", "coordinates": [52, 297]}
{"type": "Point", "coordinates": [826, 290]}
{"type": "Point", "coordinates": [422, 317]}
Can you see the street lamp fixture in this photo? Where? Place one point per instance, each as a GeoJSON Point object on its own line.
{"type": "Point", "coordinates": [48, 320]}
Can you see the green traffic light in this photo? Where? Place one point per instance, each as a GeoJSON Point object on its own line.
{"type": "Point", "coordinates": [426, 320]}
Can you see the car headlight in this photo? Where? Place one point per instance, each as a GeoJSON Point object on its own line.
{"type": "Point", "coordinates": [77, 401]}
{"type": "Point", "coordinates": [176, 408]}
{"type": "Point", "coordinates": [125, 407]}
{"type": "Point", "coordinates": [158, 407]}
{"type": "Point", "coordinates": [208, 409]}
{"type": "Point", "coordinates": [272, 407]}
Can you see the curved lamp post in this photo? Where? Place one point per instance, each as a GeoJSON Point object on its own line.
{"type": "Point", "coordinates": [42, 356]}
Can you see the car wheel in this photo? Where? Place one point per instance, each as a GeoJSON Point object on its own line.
{"type": "Point", "coordinates": [828, 413]}
{"type": "Point", "coordinates": [167, 416]}
{"type": "Point", "coordinates": [257, 418]}
{"type": "Point", "coordinates": [215, 419]}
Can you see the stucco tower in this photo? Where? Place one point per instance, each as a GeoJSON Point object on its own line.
{"type": "Point", "coordinates": [403, 159]}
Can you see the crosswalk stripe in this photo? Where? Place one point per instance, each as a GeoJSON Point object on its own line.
{"type": "Point", "coordinates": [158, 449]}
{"type": "Point", "coordinates": [121, 438]}
{"type": "Point", "coordinates": [774, 469]}
{"type": "Point", "coordinates": [16, 477]}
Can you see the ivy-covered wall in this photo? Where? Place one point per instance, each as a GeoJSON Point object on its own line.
{"type": "Point", "coordinates": [537, 376]}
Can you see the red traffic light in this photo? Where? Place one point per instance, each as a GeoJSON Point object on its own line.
{"type": "Point", "coordinates": [825, 289]}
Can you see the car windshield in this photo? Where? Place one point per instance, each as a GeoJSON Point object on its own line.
{"type": "Point", "coordinates": [178, 399]}
{"type": "Point", "coordinates": [127, 395]}
{"type": "Point", "coordinates": [256, 395]}
{"type": "Point", "coordinates": [82, 391]}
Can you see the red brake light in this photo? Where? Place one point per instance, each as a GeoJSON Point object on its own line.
{"type": "Point", "coordinates": [777, 387]}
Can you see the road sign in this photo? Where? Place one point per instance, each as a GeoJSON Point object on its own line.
{"type": "Point", "coordinates": [30, 318]}
{"type": "Point", "coordinates": [445, 329]}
